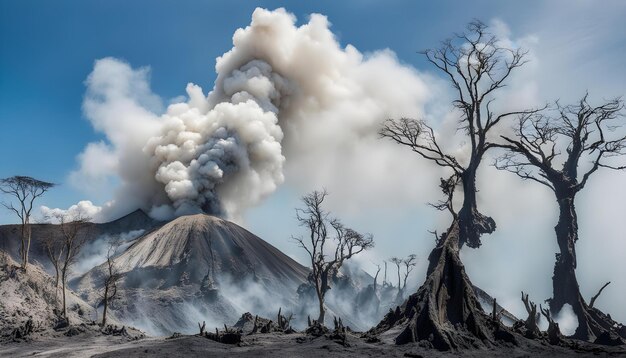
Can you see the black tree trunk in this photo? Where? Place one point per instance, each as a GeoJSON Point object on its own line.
{"type": "Point", "coordinates": [445, 310]}
{"type": "Point", "coordinates": [591, 322]}
{"type": "Point", "coordinates": [106, 306]}
{"type": "Point", "coordinates": [472, 224]}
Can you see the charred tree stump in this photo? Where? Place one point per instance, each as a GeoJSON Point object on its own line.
{"type": "Point", "coordinates": [339, 334]}
{"type": "Point", "coordinates": [228, 336]}
{"type": "Point", "coordinates": [202, 327]}
{"type": "Point", "coordinates": [532, 330]}
{"type": "Point", "coordinates": [554, 332]}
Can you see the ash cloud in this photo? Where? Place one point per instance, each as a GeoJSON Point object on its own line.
{"type": "Point", "coordinates": [289, 101]}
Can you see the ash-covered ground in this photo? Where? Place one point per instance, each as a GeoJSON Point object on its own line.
{"type": "Point", "coordinates": [270, 345]}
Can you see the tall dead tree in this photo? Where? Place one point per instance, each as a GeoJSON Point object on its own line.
{"type": "Point", "coordinates": [111, 278]}
{"type": "Point", "coordinates": [549, 148]}
{"type": "Point", "coordinates": [72, 225]}
{"type": "Point", "coordinates": [445, 309]}
{"type": "Point", "coordinates": [25, 190]}
{"type": "Point", "coordinates": [325, 231]}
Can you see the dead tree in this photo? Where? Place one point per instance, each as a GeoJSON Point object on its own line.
{"type": "Point", "coordinates": [445, 309]}
{"type": "Point", "coordinates": [111, 278]}
{"type": "Point", "coordinates": [53, 247]}
{"type": "Point", "coordinates": [385, 276]}
{"type": "Point", "coordinates": [548, 149]}
{"type": "Point", "coordinates": [72, 225]}
{"type": "Point", "coordinates": [26, 190]}
{"type": "Point", "coordinates": [376, 277]}
{"type": "Point", "coordinates": [397, 261]}
{"type": "Point", "coordinates": [325, 261]}
{"type": "Point", "coordinates": [409, 265]}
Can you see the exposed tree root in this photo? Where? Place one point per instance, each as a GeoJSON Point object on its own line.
{"type": "Point", "coordinates": [445, 311]}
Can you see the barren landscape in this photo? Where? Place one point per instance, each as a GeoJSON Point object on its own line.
{"type": "Point", "coordinates": [325, 179]}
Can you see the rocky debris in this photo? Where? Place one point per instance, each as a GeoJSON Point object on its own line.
{"type": "Point", "coordinates": [227, 336]}
{"type": "Point", "coordinates": [609, 339]}
{"type": "Point", "coordinates": [249, 324]}
{"type": "Point", "coordinates": [22, 332]}
{"type": "Point", "coordinates": [339, 334]}
{"type": "Point", "coordinates": [74, 331]}
{"type": "Point", "coordinates": [114, 331]}
{"type": "Point", "coordinates": [316, 329]}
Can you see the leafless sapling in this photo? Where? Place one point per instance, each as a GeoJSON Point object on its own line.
{"type": "Point", "coordinates": [53, 247]}
{"type": "Point", "coordinates": [25, 190]}
{"type": "Point", "coordinates": [397, 261]}
{"type": "Point", "coordinates": [72, 225]}
{"type": "Point", "coordinates": [409, 264]}
{"type": "Point", "coordinates": [325, 231]}
{"type": "Point", "coordinates": [111, 278]}
{"type": "Point", "coordinates": [376, 277]}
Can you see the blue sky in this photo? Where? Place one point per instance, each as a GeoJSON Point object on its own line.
{"type": "Point", "coordinates": [47, 50]}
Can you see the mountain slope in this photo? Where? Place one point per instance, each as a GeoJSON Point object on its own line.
{"type": "Point", "coordinates": [10, 234]}
{"type": "Point", "coordinates": [203, 245]}
{"type": "Point", "coordinates": [197, 268]}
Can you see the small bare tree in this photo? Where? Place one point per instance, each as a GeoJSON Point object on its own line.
{"type": "Point", "coordinates": [111, 278]}
{"type": "Point", "coordinates": [325, 230]}
{"type": "Point", "coordinates": [376, 277]}
{"type": "Point", "coordinates": [26, 190]}
{"type": "Point", "coordinates": [549, 149]}
{"type": "Point", "coordinates": [53, 247]}
{"type": "Point", "coordinates": [385, 277]}
{"type": "Point", "coordinates": [72, 225]}
{"type": "Point", "coordinates": [397, 261]}
{"type": "Point", "coordinates": [409, 265]}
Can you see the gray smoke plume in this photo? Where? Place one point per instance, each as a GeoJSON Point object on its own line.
{"type": "Point", "coordinates": [231, 151]}
{"type": "Point", "coordinates": [287, 99]}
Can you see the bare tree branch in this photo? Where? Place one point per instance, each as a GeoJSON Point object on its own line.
{"type": "Point", "coordinates": [595, 297]}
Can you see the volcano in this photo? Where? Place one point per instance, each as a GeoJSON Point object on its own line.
{"type": "Point", "coordinates": [195, 268]}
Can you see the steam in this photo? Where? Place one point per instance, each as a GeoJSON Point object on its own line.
{"type": "Point", "coordinates": [95, 252]}
{"type": "Point", "coordinates": [287, 100]}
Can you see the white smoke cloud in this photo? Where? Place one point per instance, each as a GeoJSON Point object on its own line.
{"type": "Point", "coordinates": [84, 208]}
{"type": "Point", "coordinates": [95, 252]}
{"type": "Point", "coordinates": [287, 99]}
